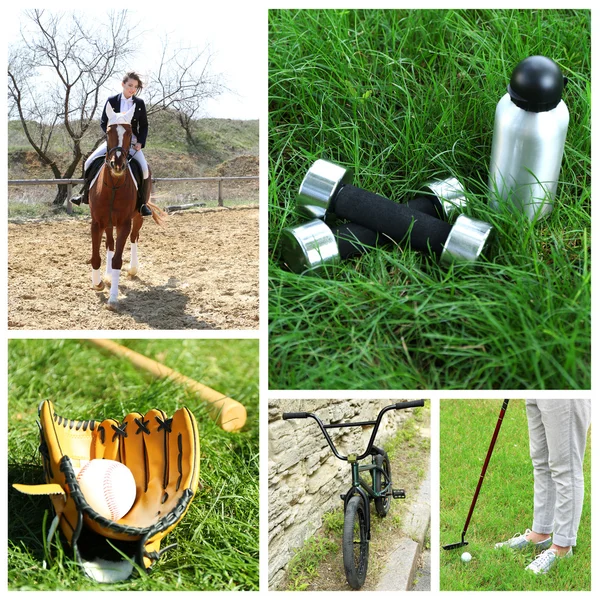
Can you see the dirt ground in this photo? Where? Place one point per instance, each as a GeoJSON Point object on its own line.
{"type": "Point", "coordinates": [200, 271]}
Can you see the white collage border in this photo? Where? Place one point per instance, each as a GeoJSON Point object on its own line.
{"type": "Point", "coordinates": [188, 10]}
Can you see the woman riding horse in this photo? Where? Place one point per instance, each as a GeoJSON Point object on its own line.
{"type": "Point", "coordinates": [112, 198]}
{"type": "Point", "coordinates": [122, 103]}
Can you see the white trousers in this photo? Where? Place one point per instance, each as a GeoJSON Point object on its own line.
{"type": "Point", "coordinates": [557, 438]}
{"type": "Point", "coordinates": [138, 156]}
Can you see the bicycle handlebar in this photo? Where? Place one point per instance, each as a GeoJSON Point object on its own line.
{"type": "Point", "coordinates": [376, 423]}
{"type": "Point", "coordinates": [299, 415]}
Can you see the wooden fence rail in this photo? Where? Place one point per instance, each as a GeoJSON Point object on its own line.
{"type": "Point", "coordinates": [71, 182]}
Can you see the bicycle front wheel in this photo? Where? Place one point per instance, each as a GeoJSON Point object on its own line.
{"type": "Point", "coordinates": [355, 544]}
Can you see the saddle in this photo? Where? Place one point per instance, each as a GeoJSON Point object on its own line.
{"type": "Point", "coordinates": [138, 175]}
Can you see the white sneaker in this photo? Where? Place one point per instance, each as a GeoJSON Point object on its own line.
{"type": "Point", "coordinates": [520, 541]}
{"type": "Point", "coordinates": [544, 562]}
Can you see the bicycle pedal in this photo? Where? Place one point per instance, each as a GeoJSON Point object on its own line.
{"type": "Point", "coordinates": [398, 494]}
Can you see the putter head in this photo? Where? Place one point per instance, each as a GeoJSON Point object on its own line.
{"type": "Point", "coordinates": [454, 546]}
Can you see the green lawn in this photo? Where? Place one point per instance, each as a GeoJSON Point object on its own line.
{"type": "Point", "coordinates": [218, 538]}
{"type": "Point", "coordinates": [402, 97]}
{"type": "Point", "coordinates": [504, 506]}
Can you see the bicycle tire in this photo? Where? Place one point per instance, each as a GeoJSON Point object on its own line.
{"type": "Point", "coordinates": [382, 505]}
{"type": "Point", "coordinates": [355, 545]}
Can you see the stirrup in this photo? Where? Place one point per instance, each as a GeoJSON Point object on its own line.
{"type": "Point", "coordinates": [145, 211]}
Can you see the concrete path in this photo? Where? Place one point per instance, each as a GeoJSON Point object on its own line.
{"type": "Point", "coordinates": [423, 575]}
{"type": "Point", "coordinates": [400, 571]}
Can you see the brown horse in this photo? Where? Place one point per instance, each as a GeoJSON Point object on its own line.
{"type": "Point", "coordinates": [113, 199]}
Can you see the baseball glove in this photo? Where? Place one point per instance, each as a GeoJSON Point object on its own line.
{"type": "Point", "coordinates": [163, 455]}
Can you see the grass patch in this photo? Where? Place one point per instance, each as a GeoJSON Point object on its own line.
{"type": "Point", "coordinates": [306, 563]}
{"type": "Point", "coordinates": [217, 541]}
{"type": "Point", "coordinates": [217, 139]}
{"type": "Point", "coordinates": [318, 565]}
{"type": "Point", "coordinates": [504, 506]}
{"type": "Point", "coordinates": [404, 96]}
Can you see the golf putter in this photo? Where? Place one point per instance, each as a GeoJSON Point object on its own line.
{"type": "Point", "coordinates": [483, 470]}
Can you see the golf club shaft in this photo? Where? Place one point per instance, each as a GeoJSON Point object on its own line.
{"type": "Point", "coordinates": [485, 466]}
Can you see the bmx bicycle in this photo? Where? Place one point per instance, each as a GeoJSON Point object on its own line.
{"type": "Point", "coordinates": [357, 510]}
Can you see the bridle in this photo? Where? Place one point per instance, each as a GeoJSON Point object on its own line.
{"type": "Point", "coordinates": [116, 149]}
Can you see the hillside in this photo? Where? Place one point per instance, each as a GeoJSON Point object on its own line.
{"type": "Point", "coordinates": [216, 141]}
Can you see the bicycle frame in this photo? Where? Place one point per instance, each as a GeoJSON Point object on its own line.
{"type": "Point", "coordinates": [362, 488]}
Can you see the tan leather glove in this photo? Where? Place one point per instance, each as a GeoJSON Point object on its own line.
{"type": "Point", "coordinates": [163, 455]}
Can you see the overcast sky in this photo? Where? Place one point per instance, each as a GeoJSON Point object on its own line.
{"type": "Point", "coordinates": [236, 38]}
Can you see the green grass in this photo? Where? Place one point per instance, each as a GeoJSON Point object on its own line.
{"type": "Point", "coordinates": [402, 97]}
{"type": "Point", "coordinates": [218, 538]}
{"type": "Point", "coordinates": [306, 563]}
{"type": "Point", "coordinates": [504, 506]}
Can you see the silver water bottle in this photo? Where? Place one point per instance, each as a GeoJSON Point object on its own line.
{"type": "Point", "coordinates": [529, 138]}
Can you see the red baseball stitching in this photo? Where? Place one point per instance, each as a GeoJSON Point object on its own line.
{"type": "Point", "coordinates": [108, 496]}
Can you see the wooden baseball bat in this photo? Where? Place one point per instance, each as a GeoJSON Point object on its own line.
{"type": "Point", "coordinates": [229, 414]}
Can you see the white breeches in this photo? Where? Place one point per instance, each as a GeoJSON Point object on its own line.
{"type": "Point", "coordinates": [137, 156]}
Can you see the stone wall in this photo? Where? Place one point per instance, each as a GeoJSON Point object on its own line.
{"type": "Point", "coordinates": [305, 478]}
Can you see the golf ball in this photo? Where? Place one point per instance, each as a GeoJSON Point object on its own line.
{"type": "Point", "coordinates": [465, 557]}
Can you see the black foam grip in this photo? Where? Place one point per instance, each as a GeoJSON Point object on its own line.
{"type": "Point", "coordinates": [412, 404]}
{"type": "Point", "coordinates": [395, 220]}
{"type": "Point", "coordinates": [299, 415]}
{"type": "Point", "coordinates": [428, 205]}
{"type": "Point", "coordinates": [353, 239]}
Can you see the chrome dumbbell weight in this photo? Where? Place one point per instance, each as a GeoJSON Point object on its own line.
{"type": "Point", "coordinates": [326, 190]}
{"type": "Point", "coordinates": [315, 245]}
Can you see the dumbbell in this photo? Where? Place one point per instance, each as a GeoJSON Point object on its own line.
{"type": "Point", "coordinates": [326, 190]}
{"type": "Point", "coordinates": [315, 245]}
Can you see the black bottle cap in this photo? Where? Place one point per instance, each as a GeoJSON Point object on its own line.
{"type": "Point", "coordinates": [536, 84]}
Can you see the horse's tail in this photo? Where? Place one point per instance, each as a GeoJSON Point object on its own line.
{"type": "Point", "coordinates": [158, 214]}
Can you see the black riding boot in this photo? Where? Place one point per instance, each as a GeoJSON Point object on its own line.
{"type": "Point", "coordinates": [144, 210]}
{"type": "Point", "coordinates": [83, 196]}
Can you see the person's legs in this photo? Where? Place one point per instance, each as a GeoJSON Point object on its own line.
{"type": "Point", "coordinates": [141, 160]}
{"type": "Point", "coordinates": [99, 151]}
{"type": "Point", "coordinates": [566, 423]}
{"type": "Point", "coordinates": [82, 197]}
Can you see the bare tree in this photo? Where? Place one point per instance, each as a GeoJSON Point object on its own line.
{"type": "Point", "coordinates": [55, 77]}
{"type": "Point", "coordinates": [58, 71]}
{"type": "Point", "coordinates": [183, 81]}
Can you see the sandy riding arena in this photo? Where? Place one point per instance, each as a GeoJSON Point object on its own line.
{"type": "Point", "coordinates": [200, 271]}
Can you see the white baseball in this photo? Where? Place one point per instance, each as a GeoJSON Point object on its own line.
{"type": "Point", "coordinates": [466, 557]}
{"type": "Point", "coordinates": [108, 487]}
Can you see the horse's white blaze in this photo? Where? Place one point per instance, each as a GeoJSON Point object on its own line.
{"type": "Point", "coordinates": [120, 133]}
{"type": "Point", "coordinates": [133, 263]}
{"type": "Point", "coordinates": [96, 277]}
{"type": "Point", "coordinates": [114, 285]}
{"type": "Point", "coordinates": [109, 257]}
